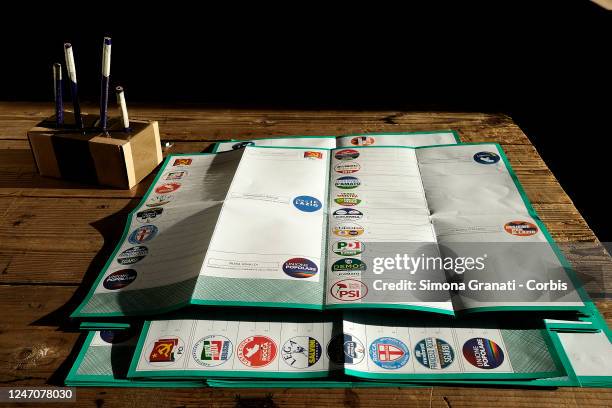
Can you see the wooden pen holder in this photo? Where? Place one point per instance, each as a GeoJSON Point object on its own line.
{"type": "Point", "coordinates": [117, 158]}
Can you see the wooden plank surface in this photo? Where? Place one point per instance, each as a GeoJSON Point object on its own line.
{"type": "Point", "coordinates": [55, 234]}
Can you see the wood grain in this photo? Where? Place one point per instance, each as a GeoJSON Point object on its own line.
{"type": "Point", "coordinates": [55, 234]}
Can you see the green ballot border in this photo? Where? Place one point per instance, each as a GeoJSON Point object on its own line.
{"type": "Point", "coordinates": [134, 373]}
{"type": "Point", "coordinates": [75, 379]}
{"type": "Point", "coordinates": [531, 211]}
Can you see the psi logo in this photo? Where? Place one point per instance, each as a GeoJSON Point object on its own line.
{"type": "Point", "coordinates": [521, 228]}
{"type": "Point", "coordinates": [389, 353]}
{"type": "Point", "coordinates": [349, 290]}
{"type": "Point", "coordinates": [166, 351]}
{"type": "Point", "coordinates": [301, 352]}
{"type": "Point", "coordinates": [483, 353]}
{"type": "Point", "coordinates": [257, 351]}
{"type": "Point", "coordinates": [212, 350]}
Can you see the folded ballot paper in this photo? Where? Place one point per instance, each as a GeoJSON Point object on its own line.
{"type": "Point", "coordinates": [445, 229]}
{"type": "Point", "coordinates": [351, 350]}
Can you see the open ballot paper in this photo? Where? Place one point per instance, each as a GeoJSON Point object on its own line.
{"type": "Point", "coordinates": [413, 139]}
{"type": "Point", "coordinates": [434, 228]}
{"type": "Point", "coordinates": [302, 348]}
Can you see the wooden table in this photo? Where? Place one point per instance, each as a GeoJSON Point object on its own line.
{"type": "Point", "coordinates": [56, 234]}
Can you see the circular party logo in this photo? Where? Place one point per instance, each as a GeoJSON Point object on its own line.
{"type": "Point", "coordinates": [483, 353]}
{"type": "Point", "coordinates": [212, 350]}
{"type": "Point", "coordinates": [348, 247]}
{"type": "Point", "coordinates": [486, 157]}
{"type": "Point", "coordinates": [256, 351]}
{"type": "Point", "coordinates": [434, 353]}
{"type": "Point", "coordinates": [347, 154]}
{"type": "Point", "coordinates": [389, 353]}
{"type": "Point", "coordinates": [132, 255]}
{"type": "Point", "coordinates": [347, 199]}
{"type": "Point", "coordinates": [347, 214]}
{"type": "Point", "coordinates": [348, 264]}
{"type": "Point", "coordinates": [307, 203]}
{"type": "Point", "coordinates": [116, 336]}
{"type": "Point", "coordinates": [119, 279]}
{"type": "Point", "coordinates": [345, 349]}
{"type": "Point", "coordinates": [143, 234]}
{"type": "Point", "coordinates": [521, 228]}
{"type": "Point", "coordinates": [362, 141]}
{"type": "Point", "coordinates": [167, 188]}
{"type": "Point", "coordinates": [149, 215]}
{"type": "Point", "coordinates": [349, 290]}
{"type": "Point", "coordinates": [347, 182]}
{"type": "Point", "coordinates": [301, 351]}
{"type": "Point", "coordinates": [348, 230]}
{"type": "Point", "coordinates": [159, 200]}
{"type": "Point", "coordinates": [347, 168]}
{"type": "Point", "coordinates": [300, 268]}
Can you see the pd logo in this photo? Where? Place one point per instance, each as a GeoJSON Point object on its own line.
{"type": "Point", "coordinates": [486, 157]}
{"type": "Point", "coordinates": [119, 279]}
{"type": "Point", "coordinates": [300, 268]}
{"type": "Point", "coordinates": [348, 248]}
{"type": "Point", "coordinates": [389, 353]}
{"type": "Point", "coordinates": [483, 353]}
{"type": "Point", "coordinates": [521, 228]}
{"type": "Point", "coordinates": [349, 290]}
{"type": "Point", "coordinates": [307, 203]}
{"type": "Point", "coordinates": [347, 154]}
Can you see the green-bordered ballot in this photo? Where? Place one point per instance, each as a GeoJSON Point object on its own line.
{"type": "Point", "coordinates": [374, 346]}
{"type": "Point", "coordinates": [104, 360]}
{"type": "Point", "coordinates": [413, 139]}
{"type": "Point", "coordinates": [445, 229]}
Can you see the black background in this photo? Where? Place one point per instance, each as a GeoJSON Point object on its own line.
{"type": "Point", "coordinates": [542, 62]}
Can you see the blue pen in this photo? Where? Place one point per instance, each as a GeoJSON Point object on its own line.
{"type": "Point", "coordinates": [106, 61]}
{"type": "Point", "coordinates": [58, 94]}
{"type": "Point", "coordinates": [71, 68]}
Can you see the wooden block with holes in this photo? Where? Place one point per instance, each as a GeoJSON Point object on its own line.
{"type": "Point", "coordinates": [116, 158]}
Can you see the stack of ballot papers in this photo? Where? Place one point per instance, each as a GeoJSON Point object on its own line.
{"type": "Point", "coordinates": [273, 263]}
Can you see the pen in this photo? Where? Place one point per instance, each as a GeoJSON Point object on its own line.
{"type": "Point", "coordinates": [57, 94]}
{"type": "Point", "coordinates": [106, 63]}
{"type": "Point", "coordinates": [123, 108]}
{"type": "Point", "coordinates": [71, 68]}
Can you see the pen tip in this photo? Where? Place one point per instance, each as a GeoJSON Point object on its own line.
{"type": "Point", "coordinates": [119, 89]}
{"type": "Point", "coordinates": [67, 45]}
{"type": "Point", "coordinates": [107, 40]}
{"type": "Point", "coordinates": [57, 65]}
